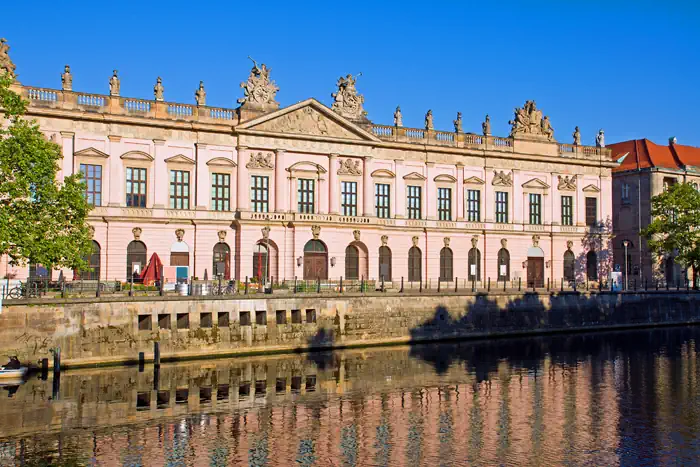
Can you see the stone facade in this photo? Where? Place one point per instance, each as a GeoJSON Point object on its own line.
{"type": "Point", "coordinates": [352, 175]}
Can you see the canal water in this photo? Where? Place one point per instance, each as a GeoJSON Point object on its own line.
{"type": "Point", "coordinates": [618, 398]}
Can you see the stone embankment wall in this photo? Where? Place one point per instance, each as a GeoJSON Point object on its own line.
{"type": "Point", "coordinates": [115, 331]}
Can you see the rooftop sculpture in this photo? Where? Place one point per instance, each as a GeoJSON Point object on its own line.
{"type": "Point", "coordinates": [347, 102]}
{"type": "Point", "coordinates": [529, 124]}
{"type": "Point", "coordinates": [259, 90]}
{"type": "Point", "coordinates": [6, 64]}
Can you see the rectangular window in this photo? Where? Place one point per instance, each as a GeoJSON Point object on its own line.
{"type": "Point", "coordinates": [502, 207]}
{"type": "Point", "coordinates": [305, 196]}
{"type": "Point", "coordinates": [625, 193]}
{"type": "Point", "coordinates": [591, 211]}
{"type": "Point", "coordinates": [221, 192]}
{"type": "Point", "coordinates": [567, 212]}
{"type": "Point", "coordinates": [92, 177]}
{"type": "Point", "coordinates": [348, 192]}
{"type": "Point", "coordinates": [135, 187]}
{"type": "Point", "coordinates": [414, 202]}
{"type": "Point", "coordinates": [179, 189]}
{"type": "Point", "coordinates": [535, 208]}
{"type": "Point", "coordinates": [382, 200]}
{"type": "Point", "coordinates": [259, 192]}
{"type": "Point", "coordinates": [669, 182]}
{"type": "Point", "coordinates": [444, 204]}
{"type": "Point", "coordinates": [473, 205]}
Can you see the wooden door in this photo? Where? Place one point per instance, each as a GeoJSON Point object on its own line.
{"type": "Point", "coordinates": [535, 272]}
{"type": "Point", "coordinates": [315, 266]}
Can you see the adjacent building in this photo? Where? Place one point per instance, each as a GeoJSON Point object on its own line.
{"type": "Point", "coordinates": [645, 170]}
{"type": "Point", "coordinates": [310, 191]}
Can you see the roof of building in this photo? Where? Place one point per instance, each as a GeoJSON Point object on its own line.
{"type": "Point", "coordinates": [643, 154]}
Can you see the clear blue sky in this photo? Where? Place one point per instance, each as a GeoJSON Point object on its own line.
{"type": "Point", "coordinates": [632, 67]}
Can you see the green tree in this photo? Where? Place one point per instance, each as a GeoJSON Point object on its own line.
{"type": "Point", "coordinates": [42, 220]}
{"type": "Point", "coordinates": [675, 226]}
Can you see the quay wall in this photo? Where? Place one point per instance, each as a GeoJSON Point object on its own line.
{"type": "Point", "coordinates": [115, 330]}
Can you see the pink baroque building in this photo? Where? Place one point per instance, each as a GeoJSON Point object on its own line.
{"type": "Point", "coordinates": [309, 191]}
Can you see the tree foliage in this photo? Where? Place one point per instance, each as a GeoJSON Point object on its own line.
{"type": "Point", "coordinates": [41, 220]}
{"type": "Point", "coordinates": [675, 225]}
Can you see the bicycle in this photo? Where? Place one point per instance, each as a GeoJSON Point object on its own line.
{"type": "Point", "coordinates": [22, 291]}
{"type": "Point", "coordinates": [223, 289]}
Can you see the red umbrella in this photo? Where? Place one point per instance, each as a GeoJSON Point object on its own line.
{"type": "Point", "coordinates": [153, 271]}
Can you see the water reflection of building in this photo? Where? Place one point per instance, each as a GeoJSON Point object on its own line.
{"type": "Point", "coordinates": [364, 408]}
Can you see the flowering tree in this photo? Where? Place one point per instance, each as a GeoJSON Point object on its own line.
{"type": "Point", "coordinates": [41, 220]}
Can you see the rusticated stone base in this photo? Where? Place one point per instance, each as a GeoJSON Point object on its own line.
{"type": "Point", "coordinates": [113, 331]}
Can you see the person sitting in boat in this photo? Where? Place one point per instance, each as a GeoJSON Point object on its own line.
{"type": "Point", "coordinates": [13, 364]}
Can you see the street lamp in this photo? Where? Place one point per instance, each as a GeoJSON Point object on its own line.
{"type": "Point", "coordinates": [626, 243]}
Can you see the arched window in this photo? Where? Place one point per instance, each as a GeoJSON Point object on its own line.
{"type": "Point", "coordinates": [569, 265]}
{"type": "Point", "coordinates": [503, 265]}
{"type": "Point", "coordinates": [385, 263]}
{"type": "Point", "coordinates": [592, 266]}
{"type": "Point", "coordinates": [414, 264]}
{"type": "Point", "coordinates": [315, 260]}
{"type": "Point", "coordinates": [135, 259]}
{"type": "Point", "coordinates": [352, 263]}
{"type": "Point", "coordinates": [446, 264]}
{"type": "Point", "coordinates": [221, 263]}
{"type": "Point", "coordinates": [474, 265]}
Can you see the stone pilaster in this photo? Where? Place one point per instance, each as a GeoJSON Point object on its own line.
{"type": "Point", "coordinates": [333, 188]}
{"type": "Point", "coordinates": [367, 188]}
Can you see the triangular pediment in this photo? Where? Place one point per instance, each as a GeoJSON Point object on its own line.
{"type": "Point", "coordinates": [179, 159]}
{"type": "Point", "coordinates": [474, 181]}
{"type": "Point", "coordinates": [414, 176]}
{"type": "Point", "coordinates": [308, 117]}
{"type": "Point", "coordinates": [535, 183]}
{"type": "Point", "coordinates": [137, 156]}
{"type": "Point", "coordinates": [91, 152]}
{"type": "Point", "coordinates": [591, 189]}
{"type": "Point", "coordinates": [221, 162]}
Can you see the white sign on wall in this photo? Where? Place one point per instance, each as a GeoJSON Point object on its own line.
{"type": "Point", "coordinates": [504, 270]}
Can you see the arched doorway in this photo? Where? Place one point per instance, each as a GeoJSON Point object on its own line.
{"type": "Point", "coordinates": [474, 264]}
{"type": "Point", "coordinates": [135, 259]}
{"type": "Point", "coordinates": [315, 260]}
{"type": "Point", "coordinates": [352, 263]}
{"type": "Point", "coordinates": [503, 265]}
{"type": "Point", "coordinates": [221, 262]}
{"type": "Point", "coordinates": [385, 263]}
{"type": "Point", "coordinates": [592, 266]}
{"type": "Point", "coordinates": [569, 261]}
{"type": "Point", "coordinates": [265, 260]}
{"type": "Point", "coordinates": [670, 270]}
{"type": "Point", "coordinates": [446, 264]}
{"type": "Point", "coordinates": [414, 264]}
{"type": "Point", "coordinates": [535, 267]}
{"type": "Point", "coordinates": [356, 261]}
{"type": "Point", "coordinates": [179, 254]}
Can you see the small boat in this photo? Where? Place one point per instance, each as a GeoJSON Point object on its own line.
{"type": "Point", "coordinates": [12, 376]}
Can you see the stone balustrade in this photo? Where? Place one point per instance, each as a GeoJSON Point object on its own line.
{"type": "Point", "coordinates": [69, 100]}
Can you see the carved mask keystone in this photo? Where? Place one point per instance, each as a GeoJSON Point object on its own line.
{"type": "Point", "coordinates": [137, 233]}
{"type": "Point", "coordinates": [180, 234]}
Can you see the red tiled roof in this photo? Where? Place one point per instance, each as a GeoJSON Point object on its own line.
{"type": "Point", "coordinates": [642, 153]}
